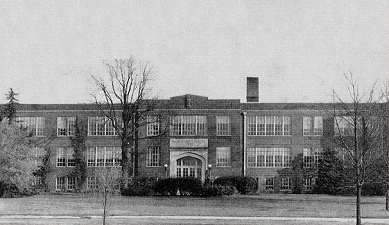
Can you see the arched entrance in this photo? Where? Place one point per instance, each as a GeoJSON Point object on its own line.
{"type": "Point", "coordinates": [189, 167]}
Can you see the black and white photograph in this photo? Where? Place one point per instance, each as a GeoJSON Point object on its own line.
{"type": "Point", "coordinates": [225, 112]}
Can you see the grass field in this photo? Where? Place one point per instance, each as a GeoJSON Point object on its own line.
{"type": "Point", "coordinates": [265, 205]}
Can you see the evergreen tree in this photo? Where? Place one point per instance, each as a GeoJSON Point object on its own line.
{"type": "Point", "coordinates": [331, 178]}
{"type": "Point", "coordinates": [10, 107]}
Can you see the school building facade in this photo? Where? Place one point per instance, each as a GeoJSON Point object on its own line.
{"type": "Point", "coordinates": [205, 138]}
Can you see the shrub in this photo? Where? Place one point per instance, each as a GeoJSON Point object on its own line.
{"type": "Point", "coordinates": [185, 186]}
{"type": "Point", "coordinates": [214, 191]}
{"type": "Point", "coordinates": [243, 185]}
{"type": "Point", "coordinates": [143, 186]}
{"type": "Point", "coordinates": [373, 189]}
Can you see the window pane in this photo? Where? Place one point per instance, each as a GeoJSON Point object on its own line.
{"type": "Point", "coordinates": [223, 156]}
{"type": "Point", "coordinates": [223, 125]}
{"type": "Point", "coordinates": [61, 126]}
{"type": "Point", "coordinates": [70, 157]}
{"type": "Point", "coordinates": [318, 126]}
{"type": "Point", "coordinates": [61, 158]}
{"type": "Point", "coordinates": [307, 125]}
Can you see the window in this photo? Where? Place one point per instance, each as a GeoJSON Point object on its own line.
{"type": "Point", "coordinates": [100, 126]}
{"type": "Point", "coordinates": [312, 156]}
{"type": "Point", "coordinates": [61, 157]}
{"type": "Point", "coordinates": [70, 157]}
{"type": "Point", "coordinates": [153, 125]}
{"type": "Point", "coordinates": [103, 156]}
{"type": "Point", "coordinates": [65, 157]}
{"type": "Point", "coordinates": [268, 125]}
{"type": "Point", "coordinates": [66, 126]}
{"type": "Point", "coordinates": [39, 153]}
{"type": "Point", "coordinates": [35, 125]}
{"type": "Point", "coordinates": [345, 156]}
{"type": "Point", "coordinates": [309, 183]}
{"type": "Point", "coordinates": [343, 126]}
{"type": "Point", "coordinates": [223, 156]}
{"type": "Point", "coordinates": [312, 125]}
{"type": "Point", "coordinates": [223, 127]}
{"type": "Point", "coordinates": [318, 126]}
{"type": "Point", "coordinates": [60, 183]}
{"type": "Point", "coordinates": [307, 125]}
{"type": "Point", "coordinates": [153, 156]}
{"type": "Point", "coordinates": [65, 183]}
{"type": "Point", "coordinates": [269, 184]}
{"type": "Point", "coordinates": [285, 184]}
{"type": "Point", "coordinates": [268, 157]}
{"type": "Point", "coordinates": [188, 126]}
{"type": "Point", "coordinates": [71, 185]}
{"type": "Point", "coordinates": [91, 183]}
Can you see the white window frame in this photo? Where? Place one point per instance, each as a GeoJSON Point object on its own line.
{"type": "Point", "coordinates": [71, 183]}
{"type": "Point", "coordinates": [264, 157]}
{"type": "Point", "coordinates": [189, 125]}
{"type": "Point", "coordinates": [97, 156]}
{"type": "Point", "coordinates": [153, 125]}
{"type": "Point", "coordinates": [343, 126]}
{"type": "Point", "coordinates": [268, 125]}
{"type": "Point", "coordinates": [66, 126]}
{"type": "Point", "coordinates": [35, 125]}
{"type": "Point", "coordinates": [92, 183]}
{"type": "Point", "coordinates": [223, 156]}
{"type": "Point", "coordinates": [223, 126]}
{"type": "Point", "coordinates": [153, 157]}
{"type": "Point", "coordinates": [312, 126]}
{"type": "Point", "coordinates": [286, 184]}
{"type": "Point", "coordinates": [61, 157]}
{"type": "Point", "coordinates": [71, 161]}
{"type": "Point", "coordinates": [269, 184]}
{"type": "Point", "coordinates": [312, 156]}
{"type": "Point", "coordinates": [309, 183]}
{"type": "Point", "coordinates": [100, 126]}
{"type": "Point", "coordinates": [60, 183]}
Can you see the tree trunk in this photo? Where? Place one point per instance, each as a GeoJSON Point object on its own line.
{"type": "Point", "coordinates": [387, 197]}
{"type": "Point", "coordinates": [105, 204]}
{"type": "Point", "coordinates": [125, 166]}
{"type": "Point", "coordinates": [358, 210]}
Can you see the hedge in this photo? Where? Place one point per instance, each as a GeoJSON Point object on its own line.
{"type": "Point", "coordinates": [183, 186]}
{"type": "Point", "coordinates": [143, 186]}
{"type": "Point", "coordinates": [214, 191]}
{"type": "Point", "coordinates": [243, 185]}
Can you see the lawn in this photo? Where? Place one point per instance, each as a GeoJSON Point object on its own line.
{"type": "Point", "coordinates": [264, 205]}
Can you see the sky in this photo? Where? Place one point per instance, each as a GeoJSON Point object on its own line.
{"type": "Point", "coordinates": [298, 49]}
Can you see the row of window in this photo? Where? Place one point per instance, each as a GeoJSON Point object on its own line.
{"type": "Point", "coordinates": [92, 183]}
{"type": "Point", "coordinates": [281, 157]}
{"type": "Point", "coordinates": [268, 157]}
{"type": "Point", "coordinates": [69, 183]}
{"type": "Point", "coordinates": [286, 184]}
{"type": "Point", "coordinates": [194, 125]}
{"type": "Point", "coordinates": [111, 156]}
{"type": "Point", "coordinates": [95, 157]}
{"type": "Point", "coordinates": [256, 157]}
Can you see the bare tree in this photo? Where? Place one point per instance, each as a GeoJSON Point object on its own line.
{"type": "Point", "coordinates": [108, 182]}
{"type": "Point", "coordinates": [124, 99]}
{"type": "Point", "coordinates": [357, 133]}
{"type": "Point", "coordinates": [385, 139]}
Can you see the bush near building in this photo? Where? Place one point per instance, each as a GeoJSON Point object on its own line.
{"type": "Point", "coordinates": [187, 186]}
{"type": "Point", "coordinates": [244, 185]}
{"type": "Point", "coordinates": [143, 186]}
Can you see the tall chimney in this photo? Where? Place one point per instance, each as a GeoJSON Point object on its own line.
{"type": "Point", "coordinates": [252, 89]}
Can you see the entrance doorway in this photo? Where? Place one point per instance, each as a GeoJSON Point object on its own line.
{"type": "Point", "coordinates": [189, 167]}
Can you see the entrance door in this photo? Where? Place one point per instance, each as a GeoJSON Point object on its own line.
{"type": "Point", "coordinates": [189, 167]}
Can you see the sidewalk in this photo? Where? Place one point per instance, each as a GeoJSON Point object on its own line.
{"type": "Point", "coordinates": [227, 218]}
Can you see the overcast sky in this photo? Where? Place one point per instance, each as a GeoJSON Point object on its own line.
{"type": "Point", "coordinates": [298, 49]}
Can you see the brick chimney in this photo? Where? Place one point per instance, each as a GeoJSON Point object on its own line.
{"type": "Point", "coordinates": [252, 89]}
